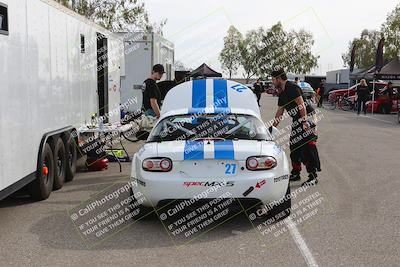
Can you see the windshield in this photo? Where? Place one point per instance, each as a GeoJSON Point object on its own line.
{"type": "Point", "coordinates": [218, 126]}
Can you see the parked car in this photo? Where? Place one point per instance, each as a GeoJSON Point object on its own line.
{"type": "Point", "coordinates": [383, 103]}
{"type": "Point", "coordinates": [271, 90]}
{"type": "Point", "coordinates": [335, 94]}
{"type": "Point", "coordinates": [307, 89]}
{"type": "Point", "coordinates": [210, 140]}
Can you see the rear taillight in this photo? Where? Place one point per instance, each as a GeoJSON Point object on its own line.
{"type": "Point", "coordinates": [261, 163]}
{"type": "Point", "coordinates": [157, 165]}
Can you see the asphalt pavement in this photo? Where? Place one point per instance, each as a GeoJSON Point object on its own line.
{"type": "Point", "coordinates": [351, 218]}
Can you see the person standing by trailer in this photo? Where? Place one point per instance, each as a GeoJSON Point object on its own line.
{"type": "Point", "coordinates": [151, 92]}
{"type": "Point", "coordinates": [258, 90]}
{"type": "Point", "coordinates": [362, 96]}
{"type": "Point", "coordinates": [321, 93]}
{"type": "Point", "coordinates": [303, 138]}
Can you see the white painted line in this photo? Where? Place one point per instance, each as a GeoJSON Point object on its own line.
{"type": "Point", "coordinates": [301, 243]}
{"type": "Point", "coordinates": [343, 114]}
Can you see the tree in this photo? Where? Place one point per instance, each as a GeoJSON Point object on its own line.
{"type": "Point", "coordinates": [230, 54]}
{"type": "Point", "coordinates": [366, 49]}
{"type": "Point", "coordinates": [369, 39]}
{"type": "Point", "coordinates": [391, 32]}
{"type": "Point", "coordinates": [250, 53]}
{"type": "Point", "coordinates": [114, 15]}
{"type": "Point", "coordinates": [301, 58]}
{"type": "Point", "coordinates": [291, 51]}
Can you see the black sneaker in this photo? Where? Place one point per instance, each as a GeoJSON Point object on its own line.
{"type": "Point", "coordinates": [294, 177]}
{"type": "Point", "coordinates": [312, 181]}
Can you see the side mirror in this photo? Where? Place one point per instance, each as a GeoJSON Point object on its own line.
{"type": "Point", "coordinates": [274, 132]}
{"type": "Point", "coordinates": [142, 135]}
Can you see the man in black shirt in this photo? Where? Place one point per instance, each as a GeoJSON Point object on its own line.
{"type": "Point", "coordinates": [321, 93]}
{"type": "Point", "coordinates": [151, 92]}
{"type": "Point", "coordinates": [303, 137]}
{"type": "Point", "coordinates": [258, 90]}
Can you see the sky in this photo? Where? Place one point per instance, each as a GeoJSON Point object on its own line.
{"type": "Point", "coordinates": [197, 28]}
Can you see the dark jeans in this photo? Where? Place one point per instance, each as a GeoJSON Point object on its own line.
{"type": "Point", "coordinates": [258, 98]}
{"type": "Point", "coordinates": [321, 100]}
{"type": "Point", "coordinates": [361, 102]}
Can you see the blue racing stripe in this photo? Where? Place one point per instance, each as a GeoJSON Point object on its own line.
{"type": "Point", "coordinates": [203, 111]}
{"type": "Point", "coordinates": [224, 150]}
{"type": "Point", "coordinates": [194, 150]}
{"type": "Point", "coordinates": [199, 94]}
{"type": "Point", "coordinates": [220, 94]}
{"type": "Point", "coordinates": [224, 111]}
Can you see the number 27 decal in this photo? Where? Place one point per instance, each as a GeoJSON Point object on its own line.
{"type": "Point", "coordinates": [230, 169]}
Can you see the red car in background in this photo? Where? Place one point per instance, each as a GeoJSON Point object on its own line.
{"type": "Point", "coordinates": [272, 91]}
{"type": "Point", "coordinates": [334, 95]}
{"type": "Point", "coordinates": [384, 103]}
{"type": "Point", "coordinates": [270, 88]}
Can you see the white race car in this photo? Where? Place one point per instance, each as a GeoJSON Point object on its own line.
{"type": "Point", "coordinates": [210, 141]}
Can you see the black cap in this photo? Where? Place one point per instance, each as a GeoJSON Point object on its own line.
{"type": "Point", "coordinates": [278, 73]}
{"type": "Point", "coordinates": [158, 68]}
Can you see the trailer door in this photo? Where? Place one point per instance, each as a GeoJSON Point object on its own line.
{"type": "Point", "coordinates": [102, 74]}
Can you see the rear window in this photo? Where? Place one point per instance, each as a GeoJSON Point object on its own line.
{"type": "Point", "coordinates": [220, 126]}
{"type": "Point", "coordinates": [3, 19]}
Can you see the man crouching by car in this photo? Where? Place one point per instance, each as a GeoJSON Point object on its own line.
{"type": "Point", "coordinates": [303, 138]}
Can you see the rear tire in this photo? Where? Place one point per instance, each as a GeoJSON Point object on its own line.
{"type": "Point", "coordinates": [331, 104]}
{"type": "Point", "coordinates": [142, 211]}
{"type": "Point", "coordinates": [382, 109]}
{"type": "Point", "coordinates": [346, 105]}
{"type": "Point", "coordinates": [60, 160]}
{"type": "Point", "coordinates": [72, 156]}
{"type": "Point", "coordinates": [284, 207]}
{"type": "Point", "coordinates": [41, 188]}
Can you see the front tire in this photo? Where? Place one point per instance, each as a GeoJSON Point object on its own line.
{"type": "Point", "coordinates": [41, 188]}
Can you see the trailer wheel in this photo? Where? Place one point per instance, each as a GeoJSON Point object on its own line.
{"type": "Point", "coordinates": [60, 160]}
{"type": "Point", "coordinates": [40, 189]}
{"type": "Point", "coordinates": [72, 155]}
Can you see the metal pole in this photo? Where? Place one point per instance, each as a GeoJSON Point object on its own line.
{"type": "Point", "coordinates": [373, 97]}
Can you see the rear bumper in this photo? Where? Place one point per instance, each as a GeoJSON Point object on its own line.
{"type": "Point", "coordinates": [263, 187]}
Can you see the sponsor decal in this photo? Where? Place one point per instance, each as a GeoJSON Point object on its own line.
{"type": "Point", "coordinates": [282, 178]}
{"type": "Point", "coordinates": [239, 88]}
{"type": "Point", "coordinates": [209, 184]}
{"type": "Point", "coordinates": [248, 191]}
{"type": "Point", "coordinates": [138, 181]}
{"type": "Point", "coordinates": [252, 188]}
{"type": "Point", "coordinates": [261, 184]}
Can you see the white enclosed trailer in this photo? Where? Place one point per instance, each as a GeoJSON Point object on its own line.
{"type": "Point", "coordinates": [142, 52]}
{"type": "Point", "coordinates": [56, 69]}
